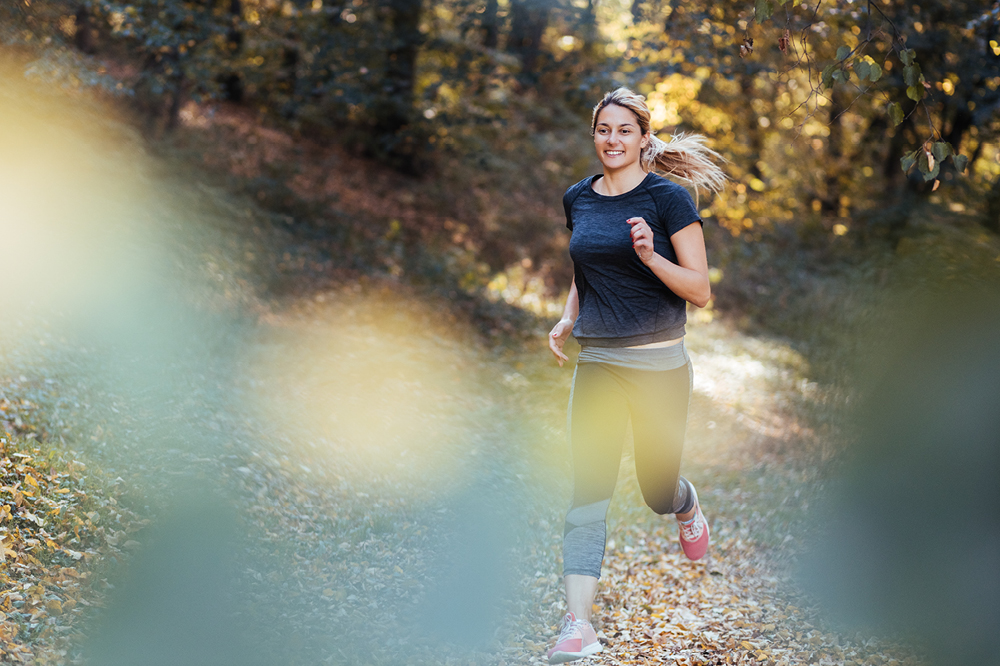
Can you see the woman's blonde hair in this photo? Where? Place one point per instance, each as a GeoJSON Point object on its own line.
{"type": "Point", "coordinates": [686, 157]}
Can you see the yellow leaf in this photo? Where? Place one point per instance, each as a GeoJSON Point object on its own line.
{"type": "Point", "coordinates": [327, 592]}
{"type": "Point", "coordinates": [30, 479]}
{"type": "Point", "coordinates": [54, 607]}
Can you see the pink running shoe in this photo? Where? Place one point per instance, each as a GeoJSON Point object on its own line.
{"type": "Point", "coordinates": [694, 535]}
{"type": "Point", "coordinates": [576, 641]}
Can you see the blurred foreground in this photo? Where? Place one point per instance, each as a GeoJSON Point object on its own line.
{"type": "Point", "coordinates": [353, 476]}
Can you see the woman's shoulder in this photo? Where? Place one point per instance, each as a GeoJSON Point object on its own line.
{"type": "Point", "coordinates": [661, 186]}
{"type": "Point", "coordinates": [573, 191]}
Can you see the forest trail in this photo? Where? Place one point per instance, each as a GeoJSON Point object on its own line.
{"type": "Point", "coordinates": [390, 470]}
{"type": "Point", "coordinates": [453, 452]}
{"type": "Point", "coordinates": [397, 482]}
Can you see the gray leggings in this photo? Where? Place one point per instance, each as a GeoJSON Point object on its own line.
{"type": "Point", "coordinates": [653, 387]}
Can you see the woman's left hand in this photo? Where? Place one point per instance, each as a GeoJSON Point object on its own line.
{"type": "Point", "coordinates": [642, 238]}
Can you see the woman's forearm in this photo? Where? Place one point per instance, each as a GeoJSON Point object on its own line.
{"type": "Point", "coordinates": [572, 309]}
{"type": "Point", "coordinates": [691, 285]}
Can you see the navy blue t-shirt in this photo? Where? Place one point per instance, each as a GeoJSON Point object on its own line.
{"type": "Point", "coordinates": [622, 302]}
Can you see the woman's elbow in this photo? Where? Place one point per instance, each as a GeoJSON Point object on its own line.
{"type": "Point", "coordinates": [702, 298]}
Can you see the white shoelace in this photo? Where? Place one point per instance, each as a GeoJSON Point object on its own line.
{"type": "Point", "coordinates": [569, 628]}
{"type": "Point", "coordinates": [692, 531]}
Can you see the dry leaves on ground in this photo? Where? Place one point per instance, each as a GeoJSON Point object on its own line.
{"type": "Point", "coordinates": [54, 530]}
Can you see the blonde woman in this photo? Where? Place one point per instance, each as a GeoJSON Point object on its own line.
{"type": "Point", "coordinates": [639, 258]}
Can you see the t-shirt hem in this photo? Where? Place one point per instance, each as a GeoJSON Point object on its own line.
{"type": "Point", "coordinates": [665, 335]}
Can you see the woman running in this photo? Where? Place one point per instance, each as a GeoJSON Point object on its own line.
{"type": "Point", "coordinates": [639, 257]}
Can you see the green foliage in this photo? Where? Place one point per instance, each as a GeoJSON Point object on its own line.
{"type": "Point", "coordinates": [866, 68]}
{"type": "Point", "coordinates": [763, 10]}
{"type": "Point", "coordinates": [928, 166]}
{"type": "Point", "coordinates": [810, 148]}
{"type": "Point", "coordinates": [941, 150]}
{"type": "Point", "coordinates": [896, 114]}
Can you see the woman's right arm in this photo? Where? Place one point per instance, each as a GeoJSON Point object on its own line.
{"type": "Point", "coordinates": [560, 332]}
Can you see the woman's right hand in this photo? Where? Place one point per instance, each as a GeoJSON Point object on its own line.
{"type": "Point", "coordinates": [557, 338]}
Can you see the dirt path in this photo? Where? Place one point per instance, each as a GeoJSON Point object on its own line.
{"type": "Point", "coordinates": [432, 440]}
{"type": "Point", "coordinates": [390, 471]}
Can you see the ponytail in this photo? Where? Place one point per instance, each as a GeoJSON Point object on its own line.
{"type": "Point", "coordinates": [687, 159]}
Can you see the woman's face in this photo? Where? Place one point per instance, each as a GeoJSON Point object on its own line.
{"type": "Point", "coordinates": [617, 137]}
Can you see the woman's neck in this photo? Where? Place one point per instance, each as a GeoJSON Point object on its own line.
{"type": "Point", "coordinates": [620, 181]}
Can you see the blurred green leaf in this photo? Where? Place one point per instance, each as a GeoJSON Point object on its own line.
{"type": "Point", "coordinates": [763, 9]}
{"type": "Point", "coordinates": [928, 166]}
{"type": "Point", "coordinates": [941, 150]}
{"type": "Point", "coordinates": [827, 76]}
{"type": "Point", "coordinates": [916, 93]}
{"type": "Point", "coordinates": [896, 113]}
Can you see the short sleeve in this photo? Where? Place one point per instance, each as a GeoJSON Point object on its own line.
{"type": "Point", "coordinates": [678, 210]}
{"type": "Point", "coordinates": [568, 200]}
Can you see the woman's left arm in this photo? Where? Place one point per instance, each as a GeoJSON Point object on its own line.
{"type": "Point", "coordinates": [688, 278]}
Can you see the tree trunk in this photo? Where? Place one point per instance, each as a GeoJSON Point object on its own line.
{"type": "Point", "coordinates": [672, 14]}
{"type": "Point", "coordinates": [491, 28]}
{"type": "Point", "coordinates": [992, 219]}
{"type": "Point", "coordinates": [85, 37]}
{"type": "Point", "coordinates": [529, 18]}
{"type": "Point", "coordinates": [181, 87]}
{"type": "Point", "coordinates": [232, 82]}
{"type": "Point", "coordinates": [636, 11]}
{"type": "Point", "coordinates": [288, 72]}
{"type": "Point", "coordinates": [830, 204]}
{"type": "Point", "coordinates": [891, 170]}
{"type": "Point", "coordinates": [754, 135]}
{"type": "Point", "coordinates": [588, 27]}
{"type": "Point", "coordinates": [394, 110]}
{"type": "Point", "coordinates": [961, 122]}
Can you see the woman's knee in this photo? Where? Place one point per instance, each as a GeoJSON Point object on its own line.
{"type": "Point", "coordinates": [679, 500]}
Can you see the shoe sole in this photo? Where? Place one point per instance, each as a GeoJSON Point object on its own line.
{"type": "Point", "coordinates": [563, 657]}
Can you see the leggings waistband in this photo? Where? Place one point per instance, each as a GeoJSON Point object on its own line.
{"type": "Point", "coordinates": [650, 358]}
